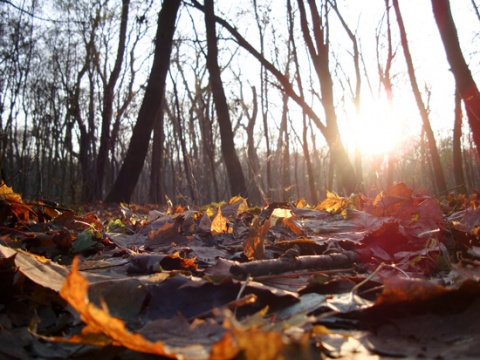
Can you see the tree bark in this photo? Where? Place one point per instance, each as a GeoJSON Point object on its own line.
{"type": "Point", "coordinates": [157, 189]}
{"type": "Point", "coordinates": [264, 105]}
{"type": "Point", "coordinates": [432, 146]}
{"type": "Point", "coordinates": [357, 94]}
{"type": "Point", "coordinates": [304, 141]}
{"type": "Point", "coordinates": [232, 163]}
{"type": "Point", "coordinates": [107, 111]}
{"type": "Point", "coordinates": [386, 81]}
{"type": "Point", "coordinates": [463, 77]}
{"type": "Point", "coordinates": [151, 106]}
{"type": "Point", "coordinates": [318, 48]}
{"type": "Point", "coordinates": [254, 190]}
{"type": "Point", "coordinates": [457, 145]}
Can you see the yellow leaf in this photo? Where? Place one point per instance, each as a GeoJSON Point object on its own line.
{"type": "Point", "coordinates": [333, 203]}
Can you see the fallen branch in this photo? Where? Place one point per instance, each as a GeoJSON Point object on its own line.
{"type": "Point", "coordinates": [287, 264]}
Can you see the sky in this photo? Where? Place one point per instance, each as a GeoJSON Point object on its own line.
{"type": "Point", "coordinates": [378, 129]}
{"type": "Point", "coordinates": [383, 130]}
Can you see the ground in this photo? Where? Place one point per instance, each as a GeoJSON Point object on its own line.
{"type": "Point", "coordinates": [393, 276]}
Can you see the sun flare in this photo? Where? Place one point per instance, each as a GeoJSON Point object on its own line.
{"type": "Point", "coordinates": [380, 128]}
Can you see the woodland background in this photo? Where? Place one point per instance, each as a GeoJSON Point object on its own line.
{"type": "Point", "coordinates": [251, 107]}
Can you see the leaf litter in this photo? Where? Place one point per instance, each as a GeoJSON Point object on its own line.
{"type": "Point", "coordinates": [394, 276]}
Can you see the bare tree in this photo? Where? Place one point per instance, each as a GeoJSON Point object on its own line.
{"type": "Point", "coordinates": [358, 85]}
{"type": "Point", "coordinates": [157, 187]}
{"type": "Point", "coordinates": [304, 140]}
{"type": "Point", "coordinates": [330, 131]}
{"type": "Point", "coordinates": [109, 83]}
{"type": "Point", "coordinates": [432, 146]}
{"type": "Point", "coordinates": [463, 77]}
{"type": "Point", "coordinates": [457, 144]}
{"type": "Point", "coordinates": [151, 107]}
{"type": "Point", "coordinates": [386, 80]}
{"type": "Point", "coordinates": [264, 108]}
{"type": "Point", "coordinates": [230, 157]}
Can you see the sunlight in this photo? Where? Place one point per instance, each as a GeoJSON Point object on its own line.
{"type": "Point", "coordinates": [380, 128]}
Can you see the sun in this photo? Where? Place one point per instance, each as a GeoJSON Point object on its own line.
{"type": "Point", "coordinates": [380, 128]}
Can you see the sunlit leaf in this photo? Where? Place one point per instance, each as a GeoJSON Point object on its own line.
{"type": "Point", "coordinates": [11, 203]}
{"type": "Point", "coordinates": [333, 203]}
{"type": "Point", "coordinates": [101, 326]}
{"type": "Point", "coordinates": [219, 224]}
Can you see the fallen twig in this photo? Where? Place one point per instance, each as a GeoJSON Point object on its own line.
{"type": "Point", "coordinates": [286, 264]}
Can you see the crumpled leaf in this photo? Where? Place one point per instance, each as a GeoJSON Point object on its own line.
{"type": "Point", "coordinates": [236, 205]}
{"type": "Point", "coordinates": [333, 203]}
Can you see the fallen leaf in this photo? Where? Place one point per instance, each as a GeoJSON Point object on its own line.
{"type": "Point", "coordinates": [254, 245]}
{"type": "Point", "coordinates": [219, 224]}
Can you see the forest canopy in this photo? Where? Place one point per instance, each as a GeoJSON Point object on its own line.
{"type": "Point", "coordinates": [273, 103]}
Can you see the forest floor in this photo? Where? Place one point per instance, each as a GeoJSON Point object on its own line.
{"type": "Point", "coordinates": [395, 276]}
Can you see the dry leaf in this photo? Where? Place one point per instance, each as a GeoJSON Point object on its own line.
{"type": "Point", "coordinates": [219, 224]}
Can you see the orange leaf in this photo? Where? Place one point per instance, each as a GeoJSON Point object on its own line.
{"type": "Point", "coordinates": [219, 224]}
{"type": "Point", "coordinates": [291, 224]}
{"type": "Point", "coordinates": [99, 322]}
{"type": "Point", "coordinates": [11, 203]}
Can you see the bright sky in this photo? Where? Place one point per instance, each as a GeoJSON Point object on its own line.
{"type": "Point", "coordinates": [382, 129]}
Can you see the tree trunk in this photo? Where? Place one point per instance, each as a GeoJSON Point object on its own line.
{"type": "Point", "coordinates": [318, 48]}
{"type": "Point", "coordinates": [463, 77]}
{"type": "Point", "coordinates": [283, 149]}
{"type": "Point", "coordinates": [107, 111]}
{"type": "Point", "coordinates": [356, 95]}
{"type": "Point", "coordinates": [457, 145]}
{"type": "Point", "coordinates": [343, 165]}
{"type": "Point", "coordinates": [304, 141]}
{"type": "Point", "coordinates": [432, 146]}
{"type": "Point", "coordinates": [264, 105]}
{"type": "Point", "coordinates": [255, 196]}
{"type": "Point", "coordinates": [232, 163]}
{"type": "Point", "coordinates": [178, 125]}
{"type": "Point", "coordinates": [386, 82]}
{"type": "Point", "coordinates": [151, 106]}
{"type": "Point", "coordinates": [157, 190]}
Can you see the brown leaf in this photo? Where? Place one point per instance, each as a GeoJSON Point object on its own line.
{"type": "Point", "coordinates": [254, 245]}
{"type": "Point", "coordinates": [169, 233]}
{"type": "Point", "coordinates": [400, 189]}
